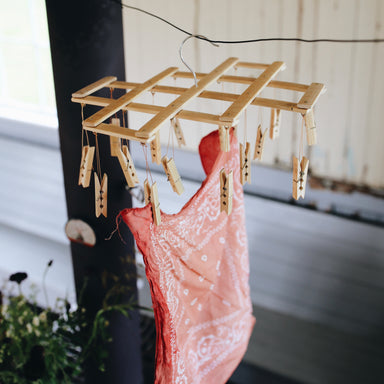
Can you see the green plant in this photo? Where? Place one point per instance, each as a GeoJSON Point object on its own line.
{"type": "Point", "coordinates": [42, 346]}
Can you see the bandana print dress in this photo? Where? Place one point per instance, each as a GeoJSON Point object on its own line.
{"type": "Point", "coordinates": [197, 267]}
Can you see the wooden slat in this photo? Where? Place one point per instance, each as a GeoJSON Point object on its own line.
{"type": "Point", "coordinates": [104, 101]}
{"type": "Point", "coordinates": [155, 89]}
{"type": "Point", "coordinates": [278, 104]}
{"type": "Point", "coordinates": [311, 95]}
{"type": "Point", "coordinates": [190, 115]}
{"type": "Point", "coordinates": [233, 112]}
{"type": "Point", "coordinates": [152, 126]}
{"type": "Point", "coordinates": [151, 109]}
{"type": "Point", "coordinates": [288, 85]}
{"type": "Point", "coordinates": [247, 64]}
{"type": "Point", "coordinates": [235, 79]}
{"type": "Point", "coordinates": [199, 116]}
{"type": "Point", "coordinates": [310, 126]}
{"type": "Point", "coordinates": [94, 86]}
{"type": "Point", "coordinates": [121, 102]}
{"type": "Point", "coordinates": [116, 131]}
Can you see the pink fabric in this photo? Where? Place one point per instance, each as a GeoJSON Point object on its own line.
{"type": "Point", "coordinates": [197, 267]}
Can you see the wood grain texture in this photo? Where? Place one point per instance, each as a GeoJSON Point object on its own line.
{"type": "Point", "coordinates": [242, 102]}
{"type": "Point", "coordinates": [150, 128]}
{"type": "Point", "coordinates": [94, 86]}
{"type": "Point", "coordinates": [115, 131]}
{"type": "Point", "coordinates": [235, 79]}
{"type": "Point", "coordinates": [122, 101]}
{"type": "Point", "coordinates": [310, 127]}
{"type": "Point", "coordinates": [311, 95]}
{"type": "Point", "coordinates": [151, 109]}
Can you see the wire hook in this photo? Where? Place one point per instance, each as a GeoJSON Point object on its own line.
{"type": "Point", "coordinates": [201, 37]}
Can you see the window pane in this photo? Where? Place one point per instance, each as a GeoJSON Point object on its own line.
{"type": "Point", "coordinates": [25, 63]}
{"type": "Point", "coordinates": [15, 19]}
{"type": "Point", "coordinates": [20, 73]}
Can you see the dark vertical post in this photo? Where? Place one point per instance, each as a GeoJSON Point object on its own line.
{"type": "Point", "coordinates": [87, 44]}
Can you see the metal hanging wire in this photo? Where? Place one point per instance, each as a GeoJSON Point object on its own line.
{"type": "Point", "coordinates": [201, 37]}
{"type": "Point", "coordinates": [181, 52]}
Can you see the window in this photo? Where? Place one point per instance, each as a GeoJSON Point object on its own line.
{"type": "Point", "coordinates": [27, 90]}
{"type": "Point", "coordinates": [32, 201]}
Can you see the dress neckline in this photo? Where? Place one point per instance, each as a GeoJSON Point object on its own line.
{"type": "Point", "coordinates": [209, 145]}
{"type": "Point", "coordinates": [219, 162]}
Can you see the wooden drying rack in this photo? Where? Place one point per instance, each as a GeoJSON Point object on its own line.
{"type": "Point", "coordinates": [96, 122]}
{"type": "Point", "coordinates": [149, 132]}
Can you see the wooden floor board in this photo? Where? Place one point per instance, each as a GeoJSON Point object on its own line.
{"type": "Point", "coordinates": [314, 353]}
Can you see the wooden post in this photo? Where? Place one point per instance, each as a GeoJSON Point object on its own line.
{"type": "Point", "coordinates": [87, 44]}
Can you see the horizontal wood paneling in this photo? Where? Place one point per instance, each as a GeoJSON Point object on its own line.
{"type": "Point", "coordinates": [314, 353]}
{"type": "Point", "coordinates": [32, 189]}
{"type": "Point", "coordinates": [348, 116]}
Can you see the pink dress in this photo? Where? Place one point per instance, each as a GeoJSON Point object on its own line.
{"type": "Point", "coordinates": [197, 267]}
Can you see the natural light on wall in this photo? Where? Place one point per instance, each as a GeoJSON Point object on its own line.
{"type": "Point", "coordinates": [348, 116]}
{"type": "Point", "coordinates": [26, 80]}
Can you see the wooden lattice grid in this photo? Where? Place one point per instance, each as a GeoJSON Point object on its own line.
{"type": "Point", "coordinates": [239, 102]}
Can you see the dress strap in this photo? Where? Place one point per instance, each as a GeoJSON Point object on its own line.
{"type": "Point", "coordinates": [209, 149]}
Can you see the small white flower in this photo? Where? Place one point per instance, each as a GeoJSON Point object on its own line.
{"type": "Point", "coordinates": [37, 333]}
{"type": "Point", "coordinates": [4, 309]}
{"type": "Point", "coordinates": [29, 328]}
{"type": "Point", "coordinates": [8, 333]}
{"type": "Point", "coordinates": [36, 321]}
{"type": "Point", "coordinates": [21, 303]}
{"type": "Point", "coordinates": [20, 320]}
{"type": "Point", "coordinates": [43, 316]}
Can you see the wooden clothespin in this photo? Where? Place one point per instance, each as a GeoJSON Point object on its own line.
{"type": "Point", "coordinates": [147, 192]}
{"type": "Point", "coordinates": [245, 163]}
{"type": "Point", "coordinates": [274, 129]}
{"type": "Point", "coordinates": [226, 191]}
{"type": "Point", "coordinates": [127, 166]}
{"type": "Point", "coordinates": [156, 149]}
{"type": "Point", "coordinates": [224, 138]}
{"type": "Point", "coordinates": [300, 172]}
{"type": "Point", "coordinates": [173, 175]}
{"type": "Point", "coordinates": [310, 126]}
{"type": "Point", "coordinates": [87, 155]}
{"type": "Point", "coordinates": [101, 194]}
{"type": "Point", "coordinates": [259, 146]}
{"type": "Point", "coordinates": [115, 142]}
{"type": "Point", "coordinates": [155, 204]}
{"type": "Point", "coordinates": [178, 131]}
{"type": "Point", "coordinates": [151, 195]}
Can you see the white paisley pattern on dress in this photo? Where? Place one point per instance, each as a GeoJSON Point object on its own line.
{"type": "Point", "coordinates": [197, 265]}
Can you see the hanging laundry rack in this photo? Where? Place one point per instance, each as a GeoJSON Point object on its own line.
{"type": "Point", "coordinates": [239, 102]}
{"type": "Point", "coordinates": [149, 132]}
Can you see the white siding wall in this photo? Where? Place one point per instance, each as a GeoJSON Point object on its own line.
{"type": "Point", "coordinates": [350, 127]}
{"type": "Point", "coordinates": [33, 213]}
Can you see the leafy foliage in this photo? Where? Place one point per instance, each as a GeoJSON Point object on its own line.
{"type": "Point", "coordinates": [42, 346]}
